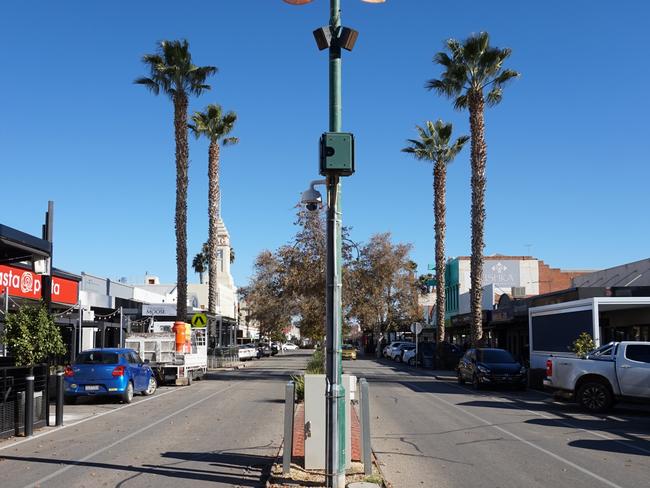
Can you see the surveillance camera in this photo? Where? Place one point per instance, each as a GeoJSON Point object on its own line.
{"type": "Point", "coordinates": [312, 199]}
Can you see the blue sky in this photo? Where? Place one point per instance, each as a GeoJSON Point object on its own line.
{"type": "Point", "coordinates": [568, 147]}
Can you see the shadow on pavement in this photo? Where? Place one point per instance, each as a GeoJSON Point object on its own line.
{"type": "Point", "coordinates": [230, 468]}
{"type": "Point", "coordinates": [621, 447]}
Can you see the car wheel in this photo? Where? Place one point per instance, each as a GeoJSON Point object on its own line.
{"type": "Point", "coordinates": [595, 397]}
{"type": "Point", "coordinates": [476, 384]}
{"type": "Point", "coordinates": [461, 380]}
{"type": "Point", "coordinates": [398, 359]}
{"type": "Point", "coordinates": [411, 362]}
{"type": "Point", "coordinates": [127, 396]}
{"type": "Point", "coordinates": [151, 389]}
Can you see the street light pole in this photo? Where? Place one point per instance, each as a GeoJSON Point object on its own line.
{"type": "Point", "coordinates": [335, 460]}
{"type": "Point", "coordinates": [335, 394]}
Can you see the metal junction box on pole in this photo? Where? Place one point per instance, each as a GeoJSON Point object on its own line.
{"type": "Point", "coordinates": [337, 153]}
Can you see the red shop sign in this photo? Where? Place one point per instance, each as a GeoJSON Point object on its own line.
{"type": "Point", "coordinates": [25, 284]}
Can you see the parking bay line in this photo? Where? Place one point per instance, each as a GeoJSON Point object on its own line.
{"type": "Point", "coordinates": [521, 439]}
{"type": "Point", "coordinates": [126, 438]}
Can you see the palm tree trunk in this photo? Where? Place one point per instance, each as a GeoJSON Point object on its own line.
{"type": "Point", "coordinates": [213, 215]}
{"type": "Point", "coordinates": [479, 160]}
{"type": "Point", "coordinates": [439, 210]}
{"type": "Point", "coordinates": [182, 153]}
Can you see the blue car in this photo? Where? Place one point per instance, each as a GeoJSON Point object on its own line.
{"type": "Point", "coordinates": [112, 372]}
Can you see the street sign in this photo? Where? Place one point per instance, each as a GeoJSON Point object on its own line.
{"type": "Point", "coordinates": [416, 328]}
{"type": "Point", "coordinates": [199, 320]}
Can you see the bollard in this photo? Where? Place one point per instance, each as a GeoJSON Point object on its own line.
{"type": "Point", "coordinates": [29, 406]}
{"type": "Point", "coordinates": [366, 449]}
{"type": "Point", "coordinates": [59, 399]}
{"type": "Point", "coordinates": [288, 427]}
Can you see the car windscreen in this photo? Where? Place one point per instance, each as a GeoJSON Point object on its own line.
{"type": "Point", "coordinates": [347, 347]}
{"type": "Point", "coordinates": [495, 356]}
{"type": "Point", "coordinates": [97, 357]}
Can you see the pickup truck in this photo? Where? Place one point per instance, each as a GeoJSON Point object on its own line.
{"type": "Point", "coordinates": [615, 371]}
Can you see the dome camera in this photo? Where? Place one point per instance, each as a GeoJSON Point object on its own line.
{"type": "Point", "coordinates": [311, 198]}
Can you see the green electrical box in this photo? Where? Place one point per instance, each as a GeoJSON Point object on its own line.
{"type": "Point", "coordinates": [337, 153]}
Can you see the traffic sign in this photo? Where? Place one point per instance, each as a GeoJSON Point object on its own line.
{"type": "Point", "coordinates": [199, 320]}
{"type": "Point", "coordinates": [416, 328]}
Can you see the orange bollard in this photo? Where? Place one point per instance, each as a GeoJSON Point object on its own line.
{"type": "Point", "coordinates": [179, 330]}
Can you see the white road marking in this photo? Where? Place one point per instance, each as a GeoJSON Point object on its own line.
{"type": "Point", "coordinates": [520, 439]}
{"type": "Point", "coordinates": [92, 417]}
{"type": "Point", "coordinates": [126, 438]}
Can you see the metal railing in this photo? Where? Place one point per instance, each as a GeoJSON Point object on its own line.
{"type": "Point", "coordinates": [223, 357]}
{"type": "Point", "coordinates": [22, 386]}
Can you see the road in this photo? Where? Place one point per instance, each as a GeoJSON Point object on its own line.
{"type": "Point", "coordinates": [429, 431]}
{"type": "Point", "coordinates": [221, 432]}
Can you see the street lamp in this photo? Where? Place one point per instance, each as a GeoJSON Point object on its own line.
{"type": "Point", "coordinates": [336, 160]}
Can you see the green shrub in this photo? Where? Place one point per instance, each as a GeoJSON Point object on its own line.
{"type": "Point", "coordinates": [299, 381]}
{"type": "Point", "coordinates": [583, 345]}
{"type": "Point", "coordinates": [316, 364]}
{"type": "Point", "coordinates": [31, 335]}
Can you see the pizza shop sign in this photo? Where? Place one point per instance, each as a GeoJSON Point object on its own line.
{"type": "Point", "coordinates": [25, 284]}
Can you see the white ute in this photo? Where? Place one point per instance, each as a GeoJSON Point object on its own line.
{"type": "Point", "coordinates": [615, 371]}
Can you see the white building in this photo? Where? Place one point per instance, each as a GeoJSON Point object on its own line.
{"type": "Point", "coordinates": [197, 293]}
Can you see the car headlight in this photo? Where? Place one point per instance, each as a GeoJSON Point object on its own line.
{"type": "Point", "coordinates": [522, 370]}
{"type": "Point", "coordinates": [483, 369]}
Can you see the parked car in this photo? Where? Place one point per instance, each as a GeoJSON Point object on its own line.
{"type": "Point", "coordinates": [246, 352]}
{"type": "Point", "coordinates": [263, 350]}
{"type": "Point", "coordinates": [348, 351]}
{"type": "Point", "coordinates": [408, 357]}
{"type": "Point", "coordinates": [289, 347]}
{"type": "Point", "coordinates": [615, 371]}
{"type": "Point", "coordinates": [394, 348]}
{"type": "Point", "coordinates": [399, 354]}
{"type": "Point", "coordinates": [486, 367]}
{"type": "Point", "coordinates": [116, 372]}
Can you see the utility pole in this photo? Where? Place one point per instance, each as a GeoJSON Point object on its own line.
{"type": "Point", "coordinates": [335, 393]}
{"type": "Point", "coordinates": [46, 278]}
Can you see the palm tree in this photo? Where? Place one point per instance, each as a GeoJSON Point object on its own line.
{"type": "Point", "coordinates": [216, 126]}
{"type": "Point", "coordinates": [200, 262]}
{"type": "Point", "coordinates": [172, 72]}
{"type": "Point", "coordinates": [434, 145]}
{"type": "Point", "coordinates": [473, 68]}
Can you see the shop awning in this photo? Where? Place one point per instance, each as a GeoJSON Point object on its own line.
{"type": "Point", "coordinates": [16, 246]}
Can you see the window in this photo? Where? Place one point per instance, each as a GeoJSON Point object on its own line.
{"type": "Point", "coordinates": [495, 356]}
{"type": "Point", "coordinates": [639, 353]}
{"type": "Point", "coordinates": [97, 357]}
{"type": "Point", "coordinates": [132, 358]}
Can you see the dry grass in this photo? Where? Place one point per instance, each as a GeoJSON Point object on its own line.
{"type": "Point", "coordinates": [299, 477]}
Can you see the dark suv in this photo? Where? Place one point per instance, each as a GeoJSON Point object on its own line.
{"type": "Point", "coordinates": [486, 366]}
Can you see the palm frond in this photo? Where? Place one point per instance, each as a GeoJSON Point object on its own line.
{"type": "Point", "coordinates": [148, 83]}
{"type": "Point", "coordinates": [494, 96]}
{"type": "Point", "coordinates": [172, 71]}
{"type": "Point", "coordinates": [461, 102]}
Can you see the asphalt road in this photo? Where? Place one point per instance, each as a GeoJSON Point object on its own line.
{"type": "Point", "coordinates": [430, 432]}
{"type": "Point", "coordinates": [221, 432]}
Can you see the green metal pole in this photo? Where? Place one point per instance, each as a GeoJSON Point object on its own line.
{"type": "Point", "coordinates": [335, 455]}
